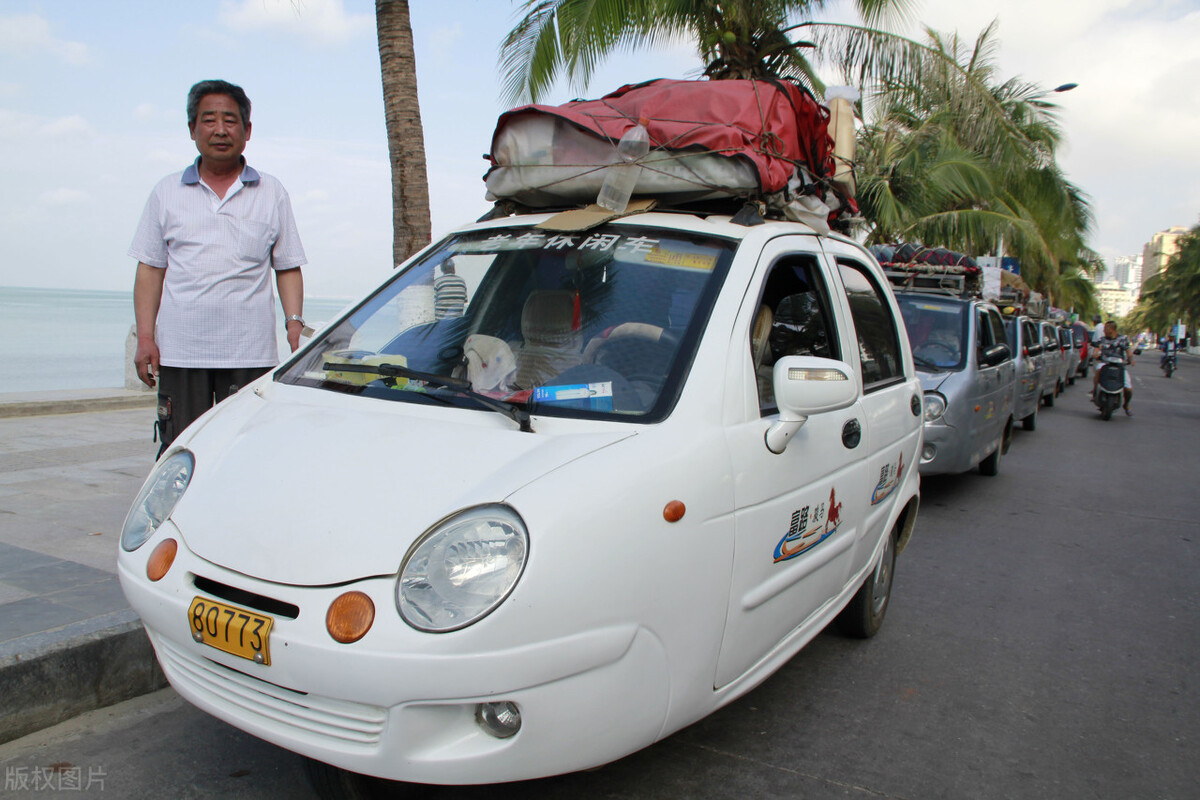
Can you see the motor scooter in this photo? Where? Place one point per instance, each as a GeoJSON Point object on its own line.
{"type": "Point", "coordinates": [1168, 363]}
{"type": "Point", "coordinates": [1110, 389]}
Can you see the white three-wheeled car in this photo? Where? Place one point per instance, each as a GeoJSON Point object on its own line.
{"type": "Point", "coordinates": [549, 494]}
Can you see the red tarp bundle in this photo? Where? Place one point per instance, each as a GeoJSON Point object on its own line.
{"type": "Point", "coordinates": [775, 125]}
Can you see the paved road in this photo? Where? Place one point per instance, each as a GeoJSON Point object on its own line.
{"type": "Point", "coordinates": [1041, 643]}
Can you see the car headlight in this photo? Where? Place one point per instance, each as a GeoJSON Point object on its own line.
{"type": "Point", "coordinates": [935, 406]}
{"type": "Point", "coordinates": [462, 569]}
{"type": "Point", "coordinates": [157, 499]}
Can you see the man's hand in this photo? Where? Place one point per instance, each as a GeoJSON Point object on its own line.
{"type": "Point", "coordinates": [145, 361]}
{"type": "Point", "coordinates": [293, 333]}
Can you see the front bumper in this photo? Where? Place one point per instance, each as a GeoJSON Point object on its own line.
{"type": "Point", "coordinates": [400, 704]}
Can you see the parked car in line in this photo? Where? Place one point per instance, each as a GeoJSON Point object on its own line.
{"type": "Point", "coordinates": [1025, 339]}
{"type": "Point", "coordinates": [1066, 345]}
{"type": "Point", "coordinates": [650, 460]}
{"type": "Point", "coordinates": [1082, 338]}
{"type": "Point", "coordinates": [1051, 383]}
{"type": "Point", "coordinates": [968, 373]}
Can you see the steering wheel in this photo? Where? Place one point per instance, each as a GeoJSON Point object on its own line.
{"type": "Point", "coordinates": [638, 350]}
{"type": "Point", "coordinates": [951, 353]}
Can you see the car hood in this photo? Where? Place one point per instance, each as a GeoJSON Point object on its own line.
{"type": "Point", "coordinates": [932, 381]}
{"type": "Point", "coordinates": [320, 493]}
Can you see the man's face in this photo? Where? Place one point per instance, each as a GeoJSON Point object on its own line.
{"type": "Point", "coordinates": [1110, 330]}
{"type": "Point", "coordinates": [219, 132]}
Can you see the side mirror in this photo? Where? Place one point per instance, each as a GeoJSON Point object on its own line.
{"type": "Point", "coordinates": [807, 385]}
{"type": "Point", "coordinates": [1034, 350]}
{"type": "Point", "coordinates": [996, 354]}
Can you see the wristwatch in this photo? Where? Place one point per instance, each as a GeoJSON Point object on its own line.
{"type": "Point", "coordinates": [294, 318]}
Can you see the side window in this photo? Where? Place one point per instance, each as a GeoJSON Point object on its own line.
{"type": "Point", "coordinates": [793, 319]}
{"type": "Point", "coordinates": [991, 330]}
{"type": "Point", "coordinates": [998, 336]}
{"type": "Point", "coordinates": [1031, 337]}
{"type": "Point", "coordinates": [878, 341]}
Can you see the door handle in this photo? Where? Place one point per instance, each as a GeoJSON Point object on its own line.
{"type": "Point", "coordinates": [851, 434]}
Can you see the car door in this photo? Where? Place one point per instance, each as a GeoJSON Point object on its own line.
{"type": "Point", "coordinates": [892, 394]}
{"type": "Point", "coordinates": [799, 513]}
{"type": "Point", "coordinates": [1054, 356]}
{"type": "Point", "coordinates": [994, 382]}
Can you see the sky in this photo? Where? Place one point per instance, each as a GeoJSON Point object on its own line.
{"type": "Point", "coordinates": [92, 115]}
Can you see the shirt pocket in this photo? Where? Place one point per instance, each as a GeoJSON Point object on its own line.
{"type": "Point", "coordinates": [252, 240]}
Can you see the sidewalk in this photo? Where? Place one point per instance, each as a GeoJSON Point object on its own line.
{"type": "Point", "coordinates": [70, 465]}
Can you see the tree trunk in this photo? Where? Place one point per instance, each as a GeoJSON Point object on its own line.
{"type": "Point", "coordinates": [406, 141]}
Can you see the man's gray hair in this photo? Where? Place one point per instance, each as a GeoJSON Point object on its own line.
{"type": "Point", "coordinates": [204, 88]}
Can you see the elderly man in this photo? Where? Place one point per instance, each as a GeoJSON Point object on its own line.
{"type": "Point", "coordinates": [209, 238]}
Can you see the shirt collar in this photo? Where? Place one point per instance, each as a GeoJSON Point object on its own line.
{"type": "Point", "coordinates": [191, 175]}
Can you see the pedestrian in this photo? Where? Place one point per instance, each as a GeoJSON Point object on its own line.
{"type": "Point", "coordinates": [206, 245]}
{"type": "Point", "coordinates": [449, 292]}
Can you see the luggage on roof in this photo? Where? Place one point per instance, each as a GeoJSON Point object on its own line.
{"type": "Point", "coordinates": [710, 140]}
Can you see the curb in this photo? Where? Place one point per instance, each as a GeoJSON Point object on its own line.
{"type": "Point", "coordinates": [48, 678]}
{"type": "Point", "coordinates": [73, 402]}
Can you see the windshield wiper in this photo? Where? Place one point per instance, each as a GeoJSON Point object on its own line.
{"type": "Point", "coordinates": [924, 362]}
{"type": "Point", "coordinates": [517, 415]}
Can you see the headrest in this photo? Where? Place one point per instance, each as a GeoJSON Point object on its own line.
{"type": "Point", "coordinates": [548, 318]}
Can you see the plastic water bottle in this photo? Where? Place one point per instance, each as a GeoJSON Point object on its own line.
{"type": "Point", "coordinates": [622, 177]}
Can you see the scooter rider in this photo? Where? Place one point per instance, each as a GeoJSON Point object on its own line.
{"type": "Point", "coordinates": [1169, 346]}
{"type": "Point", "coordinates": [1113, 348]}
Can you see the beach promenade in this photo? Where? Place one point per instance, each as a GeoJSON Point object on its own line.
{"type": "Point", "coordinates": [71, 463]}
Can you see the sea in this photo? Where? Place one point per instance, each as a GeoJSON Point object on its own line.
{"type": "Point", "coordinates": [53, 339]}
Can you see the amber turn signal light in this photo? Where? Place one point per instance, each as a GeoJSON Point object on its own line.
{"type": "Point", "coordinates": [161, 559]}
{"type": "Point", "coordinates": [674, 511]}
{"type": "Point", "coordinates": [350, 617]}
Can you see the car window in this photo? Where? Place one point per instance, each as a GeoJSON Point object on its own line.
{"type": "Point", "coordinates": [999, 336]}
{"type": "Point", "coordinates": [1032, 336]}
{"type": "Point", "coordinates": [793, 319]}
{"type": "Point", "coordinates": [937, 330]}
{"type": "Point", "coordinates": [592, 324]}
{"type": "Point", "coordinates": [874, 326]}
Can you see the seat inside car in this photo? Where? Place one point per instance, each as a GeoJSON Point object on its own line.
{"type": "Point", "coordinates": [551, 342]}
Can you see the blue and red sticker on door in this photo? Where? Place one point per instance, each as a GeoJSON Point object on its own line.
{"type": "Point", "coordinates": [813, 525]}
{"type": "Point", "coordinates": [810, 526]}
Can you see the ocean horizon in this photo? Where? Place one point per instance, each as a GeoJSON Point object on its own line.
{"type": "Point", "coordinates": [55, 339]}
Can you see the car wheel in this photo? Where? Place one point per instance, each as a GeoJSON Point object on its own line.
{"type": "Point", "coordinates": [334, 783]}
{"type": "Point", "coordinates": [1048, 400]}
{"type": "Point", "coordinates": [863, 617]}
{"type": "Point", "coordinates": [1030, 422]}
{"type": "Point", "coordinates": [990, 466]}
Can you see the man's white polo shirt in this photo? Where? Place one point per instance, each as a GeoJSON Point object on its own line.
{"type": "Point", "coordinates": [218, 306]}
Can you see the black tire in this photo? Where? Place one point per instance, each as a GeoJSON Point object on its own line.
{"type": "Point", "coordinates": [334, 783]}
{"type": "Point", "coordinates": [1169, 369]}
{"type": "Point", "coordinates": [1048, 399]}
{"type": "Point", "coordinates": [863, 617]}
{"type": "Point", "coordinates": [990, 466]}
{"type": "Point", "coordinates": [1106, 412]}
{"type": "Point", "coordinates": [1030, 422]}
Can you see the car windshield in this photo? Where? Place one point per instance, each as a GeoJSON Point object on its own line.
{"type": "Point", "coordinates": [937, 331]}
{"type": "Point", "coordinates": [598, 324]}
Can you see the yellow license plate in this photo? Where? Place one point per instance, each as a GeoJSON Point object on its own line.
{"type": "Point", "coordinates": [233, 630]}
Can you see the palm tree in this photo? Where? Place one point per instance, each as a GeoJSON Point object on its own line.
{"type": "Point", "coordinates": [954, 158]}
{"type": "Point", "coordinates": [735, 38]}
{"type": "Point", "coordinates": [1174, 293]}
{"type": "Point", "coordinates": [411, 226]}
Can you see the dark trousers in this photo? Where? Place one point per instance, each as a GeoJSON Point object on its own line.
{"type": "Point", "coordinates": [184, 394]}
